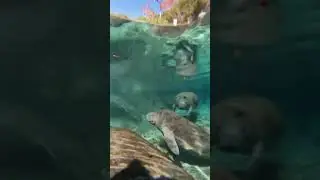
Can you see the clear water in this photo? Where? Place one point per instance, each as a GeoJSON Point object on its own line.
{"type": "Point", "coordinates": [139, 84]}
{"type": "Point", "coordinates": [285, 72]}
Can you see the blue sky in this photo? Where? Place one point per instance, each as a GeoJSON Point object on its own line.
{"type": "Point", "coordinates": [131, 8]}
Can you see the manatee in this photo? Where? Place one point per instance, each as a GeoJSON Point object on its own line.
{"type": "Point", "coordinates": [181, 134]}
{"type": "Point", "coordinates": [186, 101]}
{"type": "Point", "coordinates": [247, 125]}
{"type": "Point", "coordinates": [126, 146]}
{"type": "Point", "coordinates": [189, 50]}
{"type": "Point", "coordinates": [185, 57]}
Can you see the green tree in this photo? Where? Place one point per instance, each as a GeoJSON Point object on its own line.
{"type": "Point", "coordinates": [142, 18]}
{"type": "Point", "coordinates": [185, 9]}
{"type": "Point", "coordinates": [154, 20]}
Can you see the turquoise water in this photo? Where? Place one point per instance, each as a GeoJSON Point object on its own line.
{"type": "Point", "coordinates": [140, 84]}
{"type": "Point", "coordinates": [285, 71]}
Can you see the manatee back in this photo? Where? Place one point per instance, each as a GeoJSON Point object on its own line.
{"type": "Point", "coordinates": [189, 136]}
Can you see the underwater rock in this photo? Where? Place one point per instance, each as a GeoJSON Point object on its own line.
{"type": "Point", "coordinates": [246, 125]}
{"type": "Point", "coordinates": [182, 136]}
{"type": "Point", "coordinates": [186, 101]}
{"type": "Point", "coordinates": [126, 146]}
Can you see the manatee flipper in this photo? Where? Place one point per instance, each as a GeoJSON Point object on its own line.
{"type": "Point", "coordinates": [195, 100]}
{"type": "Point", "coordinates": [192, 59]}
{"type": "Point", "coordinates": [185, 44]}
{"type": "Point", "coordinates": [170, 140]}
{"type": "Point", "coordinates": [256, 153]}
{"type": "Point", "coordinates": [190, 110]}
{"type": "Point", "coordinates": [174, 107]}
{"type": "Point", "coordinates": [257, 150]}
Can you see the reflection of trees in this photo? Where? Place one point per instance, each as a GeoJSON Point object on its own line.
{"type": "Point", "coordinates": [182, 10]}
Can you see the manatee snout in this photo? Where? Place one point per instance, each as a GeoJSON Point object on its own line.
{"type": "Point", "coordinates": [152, 118]}
{"type": "Point", "coordinates": [182, 103]}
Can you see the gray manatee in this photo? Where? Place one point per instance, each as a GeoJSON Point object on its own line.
{"type": "Point", "coordinates": [181, 134]}
{"type": "Point", "coordinates": [186, 101]}
{"type": "Point", "coordinates": [247, 125]}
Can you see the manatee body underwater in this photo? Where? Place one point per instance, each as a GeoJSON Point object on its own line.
{"type": "Point", "coordinates": [187, 141]}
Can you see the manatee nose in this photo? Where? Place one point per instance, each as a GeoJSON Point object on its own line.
{"type": "Point", "coordinates": [182, 103]}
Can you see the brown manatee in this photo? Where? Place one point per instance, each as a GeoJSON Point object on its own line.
{"type": "Point", "coordinates": [246, 125]}
{"type": "Point", "coordinates": [186, 101]}
{"type": "Point", "coordinates": [186, 141]}
{"type": "Point", "coordinates": [126, 146]}
{"type": "Point", "coordinates": [186, 58]}
{"type": "Point", "coordinates": [184, 55]}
